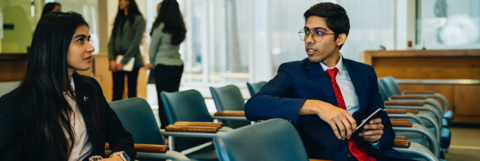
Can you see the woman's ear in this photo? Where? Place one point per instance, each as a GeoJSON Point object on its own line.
{"type": "Point", "coordinates": [341, 39]}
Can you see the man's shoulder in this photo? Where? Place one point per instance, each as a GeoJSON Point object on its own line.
{"type": "Point", "coordinates": [295, 64]}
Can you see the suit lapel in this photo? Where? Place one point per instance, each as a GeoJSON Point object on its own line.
{"type": "Point", "coordinates": [84, 104]}
{"type": "Point", "coordinates": [358, 85]}
{"type": "Point", "coordinates": [322, 80]}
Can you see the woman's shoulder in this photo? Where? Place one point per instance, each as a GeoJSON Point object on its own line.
{"type": "Point", "coordinates": [10, 97]}
{"type": "Point", "coordinates": [10, 103]}
{"type": "Point", "coordinates": [89, 80]}
{"type": "Point", "coordinates": [139, 17]}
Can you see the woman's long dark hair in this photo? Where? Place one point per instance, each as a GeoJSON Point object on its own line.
{"type": "Point", "coordinates": [49, 7]}
{"type": "Point", "coordinates": [132, 12]}
{"type": "Point", "coordinates": [173, 22]}
{"type": "Point", "coordinates": [46, 112]}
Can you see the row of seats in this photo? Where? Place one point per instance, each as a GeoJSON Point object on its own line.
{"type": "Point", "coordinates": [192, 126]}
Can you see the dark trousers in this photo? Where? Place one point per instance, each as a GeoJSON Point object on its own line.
{"type": "Point", "coordinates": [119, 83]}
{"type": "Point", "coordinates": [167, 78]}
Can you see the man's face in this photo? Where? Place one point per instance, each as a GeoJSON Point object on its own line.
{"type": "Point", "coordinates": [319, 44]}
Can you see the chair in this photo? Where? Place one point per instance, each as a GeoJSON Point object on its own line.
{"type": "Point", "coordinates": [137, 118]}
{"type": "Point", "coordinates": [262, 141]}
{"type": "Point", "coordinates": [189, 106]}
{"type": "Point", "coordinates": [443, 133]}
{"type": "Point", "coordinates": [266, 141]}
{"type": "Point", "coordinates": [229, 98]}
{"type": "Point", "coordinates": [393, 87]}
{"type": "Point", "coordinates": [255, 87]}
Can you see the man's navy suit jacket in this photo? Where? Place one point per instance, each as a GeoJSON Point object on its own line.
{"type": "Point", "coordinates": [295, 82]}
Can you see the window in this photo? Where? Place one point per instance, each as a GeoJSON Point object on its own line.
{"type": "Point", "coordinates": [448, 24]}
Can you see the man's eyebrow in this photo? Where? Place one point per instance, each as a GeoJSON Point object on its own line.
{"type": "Point", "coordinates": [317, 28]}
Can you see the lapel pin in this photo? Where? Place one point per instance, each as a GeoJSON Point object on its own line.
{"type": "Point", "coordinates": [85, 98]}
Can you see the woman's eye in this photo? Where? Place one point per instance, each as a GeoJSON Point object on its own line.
{"type": "Point", "coordinates": [80, 40]}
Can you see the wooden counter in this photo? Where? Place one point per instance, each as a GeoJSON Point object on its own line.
{"type": "Point", "coordinates": [453, 73]}
{"type": "Point", "coordinates": [13, 67]}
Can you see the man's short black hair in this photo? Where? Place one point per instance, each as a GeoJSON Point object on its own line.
{"type": "Point", "coordinates": [335, 15]}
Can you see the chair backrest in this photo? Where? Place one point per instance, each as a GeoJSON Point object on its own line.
{"type": "Point", "coordinates": [387, 91]}
{"type": "Point", "coordinates": [186, 105]}
{"type": "Point", "coordinates": [255, 87]}
{"type": "Point", "coordinates": [274, 139]}
{"type": "Point", "coordinates": [392, 85]}
{"type": "Point", "coordinates": [229, 98]}
{"type": "Point", "coordinates": [137, 118]}
{"type": "Point", "coordinates": [382, 90]}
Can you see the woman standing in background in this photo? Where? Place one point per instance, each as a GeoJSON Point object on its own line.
{"type": "Point", "coordinates": [168, 32]}
{"type": "Point", "coordinates": [125, 40]}
{"type": "Point", "coordinates": [51, 7]}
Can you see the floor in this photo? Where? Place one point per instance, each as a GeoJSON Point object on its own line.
{"type": "Point", "coordinates": [465, 143]}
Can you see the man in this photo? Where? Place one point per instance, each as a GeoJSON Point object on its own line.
{"type": "Point", "coordinates": [326, 95]}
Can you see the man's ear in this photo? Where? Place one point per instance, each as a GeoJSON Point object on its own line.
{"type": "Point", "coordinates": [341, 39]}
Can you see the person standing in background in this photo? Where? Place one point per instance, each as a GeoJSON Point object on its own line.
{"type": "Point", "coordinates": [125, 40]}
{"type": "Point", "coordinates": [168, 31]}
{"type": "Point", "coordinates": [51, 7]}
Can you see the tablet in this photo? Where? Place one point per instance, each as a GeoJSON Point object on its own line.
{"type": "Point", "coordinates": [372, 116]}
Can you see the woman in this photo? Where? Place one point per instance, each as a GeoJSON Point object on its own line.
{"type": "Point", "coordinates": [55, 113]}
{"type": "Point", "coordinates": [125, 40]}
{"type": "Point", "coordinates": [168, 32]}
{"type": "Point", "coordinates": [51, 7]}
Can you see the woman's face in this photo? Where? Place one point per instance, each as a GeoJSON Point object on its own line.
{"type": "Point", "coordinates": [79, 53]}
{"type": "Point", "coordinates": [123, 4]}
{"type": "Point", "coordinates": [57, 8]}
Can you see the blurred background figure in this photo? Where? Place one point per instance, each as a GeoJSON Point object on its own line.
{"type": "Point", "coordinates": [168, 31]}
{"type": "Point", "coordinates": [158, 8]}
{"type": "Point", "coordinates": [125, 40]}
{"type": "Point", "coordinates": [51, 7]}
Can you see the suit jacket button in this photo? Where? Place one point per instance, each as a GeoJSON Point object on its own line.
{"type": "Point", "coordinates": [348, 155]}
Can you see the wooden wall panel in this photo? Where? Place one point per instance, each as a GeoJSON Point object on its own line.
{"type": "Point", "coordinates": [12, 67]}
{"type": "Point", "coordinates": [446, 90]}
{"type": "Point", "coordinates": [428, 67]}
{"type": "Point", "coordinates": [467, 102]}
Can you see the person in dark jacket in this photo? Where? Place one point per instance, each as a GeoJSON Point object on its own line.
{"type": "Point", "coordinates": [125, 40]}
{"type": "Point", "coordinates": [56, 114]}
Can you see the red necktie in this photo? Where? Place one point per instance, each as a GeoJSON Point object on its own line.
{"type": "Point", "coordinates": [357, 150]}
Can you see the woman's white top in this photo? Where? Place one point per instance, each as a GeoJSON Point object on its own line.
{"type": "Point", "coordinates": [81, 146]}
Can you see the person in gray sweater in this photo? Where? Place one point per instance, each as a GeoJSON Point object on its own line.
{"type": "Point", "coordinates": [125, 40]}
{"type": "Point", "coordinates": [168, 32]}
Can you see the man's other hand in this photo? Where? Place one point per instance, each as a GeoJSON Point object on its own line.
{"type": "Point", "coordinates": [373, 131]}
{"type": "Point", "coordinates": [342, 123]}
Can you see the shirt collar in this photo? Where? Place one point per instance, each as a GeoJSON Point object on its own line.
{"type": "Point", "coordinates": [339, 65]}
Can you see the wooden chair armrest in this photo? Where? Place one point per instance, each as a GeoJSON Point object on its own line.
{"type": "Point", "coordinates": [401, 124]}
{"type": "Point", "coordinates": [145, 148]}
{"type": "Point", "coordinates": [199, 129]}
{"type": "Point", "coordinates": [394, 103]}
{"type": "Point", "coordinates": [399, 120]}
{"type": "Point", "coordinates": [419, 92]}
{"type": "Point", "coordinates": [400, 111]}
{"type": "Point", "coordinates": [401, 144]}
{"type": "Point", "coordinates": [395, 111]}
{"type": "Point", "coordinates": [208, 124]}
{"type": "Point", "coordinates": [400, 138]}
{"type": "Point", "coordinates": [229, 113]}
{"type": "Point", "coordinates": [412, 111]}
{"type": "Point", "coordinates": [408, 97]}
